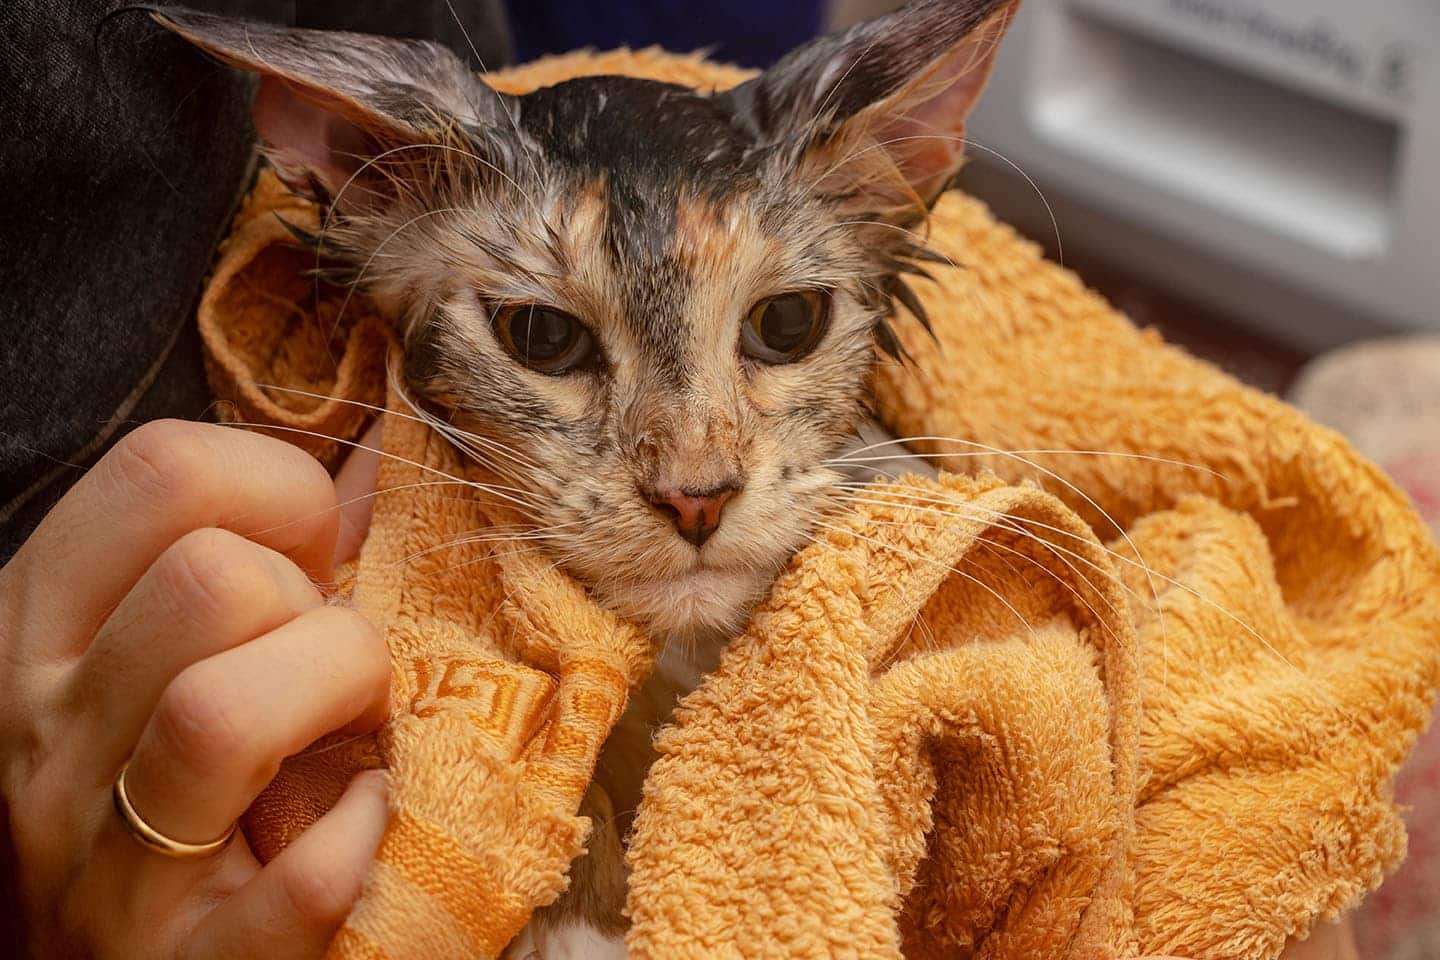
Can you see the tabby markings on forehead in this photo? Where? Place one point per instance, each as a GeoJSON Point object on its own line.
{"type": "Point", "coordinates": [685, 141]}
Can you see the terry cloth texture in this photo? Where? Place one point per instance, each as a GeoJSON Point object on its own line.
{"type": "Point", "coordinates": [1053, 704]}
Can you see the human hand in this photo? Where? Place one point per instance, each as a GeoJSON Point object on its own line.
{"type": "Point", "coordinates": [165, 614]}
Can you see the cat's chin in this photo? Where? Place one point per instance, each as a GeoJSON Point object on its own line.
{"type": "Point", "coordinates": [699, 603]}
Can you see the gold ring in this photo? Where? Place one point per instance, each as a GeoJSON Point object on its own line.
{"type": "Point", "coordinates": [153, 839]}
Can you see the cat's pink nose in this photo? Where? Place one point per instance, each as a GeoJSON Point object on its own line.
{"type": "Point", "coordinates": [695, 513]}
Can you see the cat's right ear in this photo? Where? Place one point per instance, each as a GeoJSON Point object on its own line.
{"type": "Point", "coordinates": [874, 117]}
{"type": "Point", "coordinates": [331, 102]}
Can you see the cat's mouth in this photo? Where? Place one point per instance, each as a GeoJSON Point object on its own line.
{"type": "Point", "coordinates": [703, 599]}
{"type": "Point", "coordinates": [703, 577]}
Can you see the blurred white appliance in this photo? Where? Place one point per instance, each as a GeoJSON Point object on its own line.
{"type": "Point", "coordinates": [1295, 140]}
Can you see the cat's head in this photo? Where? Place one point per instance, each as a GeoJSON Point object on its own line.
{"type": "Point", "coordinates": [657, 308]}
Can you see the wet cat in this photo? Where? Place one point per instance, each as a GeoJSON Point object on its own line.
{"type": "Point", "coordinates": [652, 311]}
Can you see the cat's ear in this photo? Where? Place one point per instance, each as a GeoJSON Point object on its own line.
{"type": "Point", "coordinates": [329, 101]}
{"type": "Point", "coordinates": [876, 115]}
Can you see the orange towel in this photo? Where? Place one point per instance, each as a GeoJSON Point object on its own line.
{"type": "Point", "coordinates": [1145, 701]}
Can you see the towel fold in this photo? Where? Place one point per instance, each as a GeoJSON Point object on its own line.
{"type": "Point", "coordinates": [1134, 677]}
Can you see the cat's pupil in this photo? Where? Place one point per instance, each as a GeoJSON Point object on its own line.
{"type": "Point", "coordinates": [786, 322]}
{"type": "Point", "coordinates": [541, 334]}
{"type": "Point", "coordinates": [785, 328]}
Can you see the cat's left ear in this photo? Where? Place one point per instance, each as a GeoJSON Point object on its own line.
{"type": "Point", "coordinates": [330, 103]}
{"type": "Point", "coordinates": [875, 116]}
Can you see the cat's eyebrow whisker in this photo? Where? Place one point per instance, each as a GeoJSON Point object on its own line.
{"type": "Point", "coordinates": [1049, 211]}
{"type": "Point", "coordinates": [359, 277]}
{"type": "Point", "coordinates": [849, 459]}
{"type": "Point", "coordinates": [499, 97]}
{"type": "Point", "coordinates": [965, 142]}
{"type": "Point", "coordinates": [818, 117]}
{"type": "Point", "coordinates": [919, 243]}
{"type": "Point", "coordinates": [914, 237]}
{"type": "Point", "coordinates": [372, 161]}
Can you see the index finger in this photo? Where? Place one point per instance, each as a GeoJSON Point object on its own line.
{"type": "Point", "coordinates": [162, 481]}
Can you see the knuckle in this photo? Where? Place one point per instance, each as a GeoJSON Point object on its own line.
{"type": "Point", "coordinates": [197, 724]}
{"type": "Point", "coordinates": [318, 893]}
{"type": "Point", "coordinates": [155, 462]}
{"type": "Point", "coordinates": [210, 573]}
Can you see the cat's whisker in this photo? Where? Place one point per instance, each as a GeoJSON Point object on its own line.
{"type": "Point", "coordinates": [487, 557]}
{"type": "Point", "coordinates": [1090, 501]}
{"type": "Point", "coordinates": [965, 142]}
{"type": "Point", "coordinates": [467, 440]}
{"type": "Point", "coordinates": [848, 460]}
{"type": "Point", "coordinates": [1014, 525]}
{"type": "Point", "coordinates": [371, 162]}
{"type": "Point", "coordinates": [919, 245]}
{"type": "Point", "coordinates": [1149, 572]}
{"type": "Point", "coordinates": [352, 500]}
{"type": "Point", "coordinates": [497, 492]}
{"type": "Point", "coordinates": [984, 514]}
{"type": "Point", "coordinates": [509, 594]}
{"type": "Point", "coordinates": [909, 554]}
{"type": "Point", "coordinates": [501, 537]}
{"type": "Point", "coordinates": [1059, 554]}
{"type": "Point", "coordinates": [818, 117]}
{"type": "Point", "coordinates": [914, 237]}
{"type": "Point", "coordinates": [520, 140]}
{"type": "Point", "coordinates": [365, 268]}
{"type": "Point", "coordinates": [1183, 587]}
{"type": "Point", "coordinates": [1049, 210]}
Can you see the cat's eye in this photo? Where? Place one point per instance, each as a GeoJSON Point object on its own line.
{"type": "Point", "coordinates": [785, 328]}
{"type": "Point", "coordinates": [545, 339]}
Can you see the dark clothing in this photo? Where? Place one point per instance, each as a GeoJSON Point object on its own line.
{"type": "Point", "coordinates": [752, 33]}
{"type": "Point", "coordinates": [125, 152]}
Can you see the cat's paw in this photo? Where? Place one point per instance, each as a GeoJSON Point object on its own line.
{"type": "Point", "coordinates": [523, 946]}
{"type": "Point", "coordinates": [569, 940]}
{"type": "Point", "coordinates": [577, 940]}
